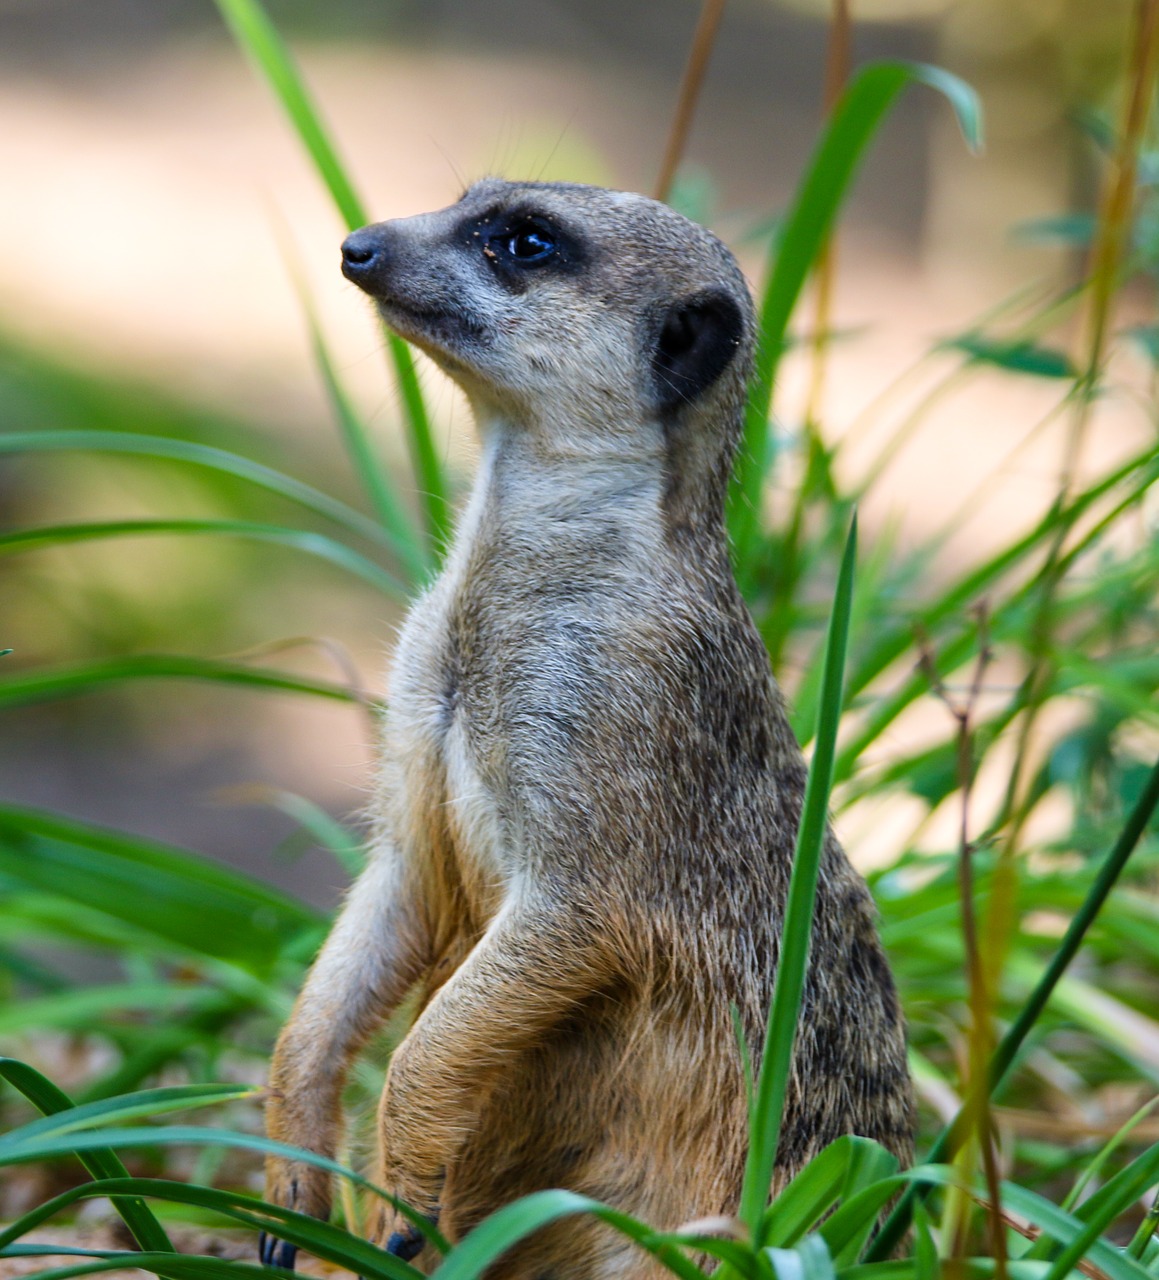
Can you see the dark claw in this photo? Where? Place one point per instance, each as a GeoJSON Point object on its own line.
{"type": "Point", "coordinates": [405, 1244]}
{"type": "Point", "coordinates": [285, 1255]}
{"type": "Point", "coordinates": [273, 1252]}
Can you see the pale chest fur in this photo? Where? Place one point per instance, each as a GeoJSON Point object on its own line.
{"type": "Point", "coordinates": [490, 665]}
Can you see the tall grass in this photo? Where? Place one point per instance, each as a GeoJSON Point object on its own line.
{"type": "Point", "coordinates": [1070, 604]}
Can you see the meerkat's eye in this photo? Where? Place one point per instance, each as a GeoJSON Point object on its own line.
{"type": "Point", "coordinates": [528, 242]}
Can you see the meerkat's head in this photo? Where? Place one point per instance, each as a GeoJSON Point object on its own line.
{"type": "Point", "coordinates": [602, 317]}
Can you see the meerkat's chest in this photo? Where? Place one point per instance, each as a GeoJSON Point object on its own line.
{"type": "Point", "coordinates": [447, 809]}
{"type": "Point", "coordinates": [497, 670]}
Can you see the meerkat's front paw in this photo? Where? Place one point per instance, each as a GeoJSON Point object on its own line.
{"type": "Point", "coordinates": [301, 1187]}
{"type": "Point", "coordinates": [273, 1252]}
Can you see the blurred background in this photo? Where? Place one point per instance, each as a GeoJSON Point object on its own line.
{"type": "Point", "coordinates": [154, 205]}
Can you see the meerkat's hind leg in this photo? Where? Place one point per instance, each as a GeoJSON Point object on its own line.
{"type": "Point", "coordinates": [405, 1244]}
{"type": "Point", "coordinates": [409, 1243]}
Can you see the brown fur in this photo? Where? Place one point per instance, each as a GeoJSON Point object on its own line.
{"type": "Point", "coordinates": [589, 790]}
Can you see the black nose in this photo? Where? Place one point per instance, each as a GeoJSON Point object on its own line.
{"type": "Point", "coordinates": [364, 254]}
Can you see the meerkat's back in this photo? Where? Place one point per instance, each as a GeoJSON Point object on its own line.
{"type": "Point", "coordinates": [590, 790]}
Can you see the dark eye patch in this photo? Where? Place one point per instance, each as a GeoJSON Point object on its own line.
{"type": "Point", "coordinates": [518, 243]}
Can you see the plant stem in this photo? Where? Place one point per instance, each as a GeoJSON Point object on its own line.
{"type": "Point", "coordinates": [703, 40]}
{"type": "Point", "coordinates": [836, 75]}
{"type": "Point", "coordinates": [979, 1120]}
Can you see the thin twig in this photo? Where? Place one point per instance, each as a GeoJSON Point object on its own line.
{"type": "Point", "coordinates": [702, 42]}
{"type": "Point", "coordinates": [1119, 197]}
{"type": "Point", "coordinates": [980, 1040]}
{"type": "Point", "coordinates": [837, 66]}
{"type": "Point", "coordinates": [1034, 1124]}
{"type": "Point", "coordinates": [1030, 1232]}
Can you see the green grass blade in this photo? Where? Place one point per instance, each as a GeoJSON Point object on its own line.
{"type": "Point", "coordinates": [790, 981]}
{"type": "Point", "coordinates": [1143, 470]}
{"type": "Point", "coordinates": [803, 234]}
{"type": "Point", "coordinates": [315, 544]}
{"type": "Point", "coordinates": [1060, 1226]}
{"type": "Point", "coordinates": [925, 1249]}
{"type": "Point", "coordinates": [25, 688]}
{"type": "Point", "coordinates": [434, 489]}
{"type": "Point", "coordinates": [330, 1243]}
{"type": "Point", "coordinates": [131, 1106]}
{"type": "Point", "coordinates": [201, 455]}
{"type": "Point", "coordinates": [1121, 1191]}
{"type": "Point", "coordinates": [1063, 1227]}
{"type": "Point", "coordinates": [872, 1167]}
{"type": "Point", "coordinates": [99, 1162]}
{"type": "Point", "coordinates": [506, 1227]}
{"type": "Point", "coordinates": [176, 1266]}
{"type": "Point", "coordinates": [374, 476]}
{"type": "Point", "coordinates": [847, 1230]}
{"type": "Point", "coordinates": [809, 1260]}
{"type": "Point", "coordinates": [47, 1250]}
{"type": "Point", "coordinates": [808, 1197]}
{"type": "Point", "coordinates": [1068, 948]}
{"type": "Point", "coordinates": [15, 1151]}
{"type": "Point", "coordinates": [259, 39]}
{"type": "Point", "coordinates": [1082, 1240]}
{"type": "Point", "coordinates": [845, 1167]}
{"type": "Point", "coordinates": [347, 847]}
{"type": "Point", "coordinates": [158, 890]}
{"type": "Point", "coordinates": [81, 1009]}
{"type": "Point", "coordinates": [732, 1252]}
{"type": "Point", "coordinates": [1007, 1050]}
{"type": "Point", "coordinates": [1094, 1168]}
{"type": "Point", "coordinates": [1015, 357]}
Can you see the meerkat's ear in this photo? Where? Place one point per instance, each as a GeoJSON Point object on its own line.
{"type": "Point", "coordinates": [698, 338]}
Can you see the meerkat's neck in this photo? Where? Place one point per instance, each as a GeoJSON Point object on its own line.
{"type": "Point", "coordinates": [567, 471]}
{"type": "Point", "coordinates": [536, 490]}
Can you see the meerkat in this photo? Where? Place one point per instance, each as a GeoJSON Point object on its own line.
{"type": "Point", "coordinates": [589, 790]}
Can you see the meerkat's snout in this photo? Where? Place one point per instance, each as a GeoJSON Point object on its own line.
{"type": "Point", "coordinates": [365, 254]}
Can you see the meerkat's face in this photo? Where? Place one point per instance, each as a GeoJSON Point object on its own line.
{"type": "Point", "coordinates": [554, 300]}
